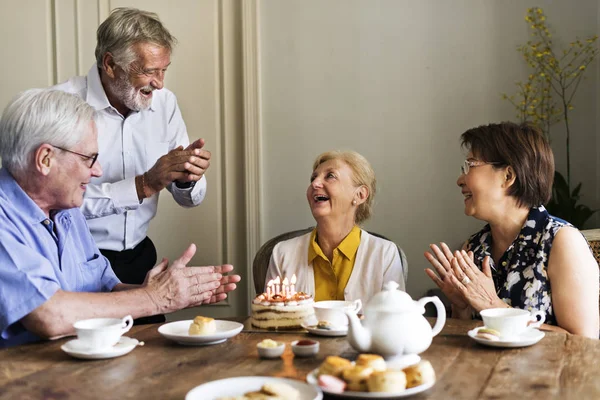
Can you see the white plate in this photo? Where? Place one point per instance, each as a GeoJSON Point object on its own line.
{"type": "Point", "coordinates": [75, 349]}
{"type": "Point", "coordinates": [531, 336]}
{"type": "Point", "coordinates": [243, 384]}
{"type": "Point", "coordinates": [178, 331]}
{"type": "Point", "coordinates": [324, 332]}
{"type": "Point", "coordinates": [312, 379]}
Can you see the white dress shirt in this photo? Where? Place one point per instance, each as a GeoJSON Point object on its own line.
{"type": "Point", "coordinates": [377, 262]}
{"type": "Point", "coordinates": [129, 146]}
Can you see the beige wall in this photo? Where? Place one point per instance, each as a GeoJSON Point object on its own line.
{"type": "Point", "coordinates": [399, 81]}
{"type": "Point", "coordinates": [396, 80]}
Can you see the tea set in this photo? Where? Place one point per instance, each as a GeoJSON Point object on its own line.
{"type": "Point", "coordinates": [393, 325]}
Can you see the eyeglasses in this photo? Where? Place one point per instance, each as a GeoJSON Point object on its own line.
{"type": "Point", "coordinates": [468, 164]}
{"type": "Point", "coordinates": [93, 157]}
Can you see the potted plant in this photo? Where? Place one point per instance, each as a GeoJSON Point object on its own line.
{"type": "Point", "coordinates": [546, 98]}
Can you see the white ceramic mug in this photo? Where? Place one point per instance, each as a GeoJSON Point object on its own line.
{"type": "Point", "coordinates": [333, 311]}
{"type": "Point", "coordinates": [511, 321]}
{"type": "Point", "coordinates": [100, 333]}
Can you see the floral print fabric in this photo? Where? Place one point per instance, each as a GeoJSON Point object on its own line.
{"type": "Point", "coordinates": [521, 277]}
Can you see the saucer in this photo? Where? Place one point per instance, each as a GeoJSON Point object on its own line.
{"type": "Point", "coordinates": [75, 349]}
{"type": "Point", "coordinates": [527, 338]}
{"type": "Point", "coordinates": [178, 331]}
{"type": "Point", "coordinates": [325, 332]}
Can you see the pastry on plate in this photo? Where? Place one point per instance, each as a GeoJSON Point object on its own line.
{"type": "Point", "coordinates": [334, 365]}
{"type": "Point", "coordinates": [259, 396]}
{"type": "Point", "coordinates": [331, 383]}
{"type": "Point", "coordinates": [419, 374]}
{"type": "Point", "coordinates": [488, 334]}
{"type": "Point", "coordinates": [374, 361]}
{"type": "Point", "coordinates": [356, 377]}
{"type": "Point", "coordinates": [326, 325]}
{"type": "Point", "coordinates": [390, 381]}
{"type": "Point", "coordinates": [202, 326]}
{"type": "Point", "coordinates": [281, 391]}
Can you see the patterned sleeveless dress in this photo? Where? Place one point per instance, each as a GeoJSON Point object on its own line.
{"type": "Point", "coordinates": [521, 278]}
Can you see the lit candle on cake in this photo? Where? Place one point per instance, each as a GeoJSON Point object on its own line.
{"type": "Point", "coordinates": [286, 287]}
{"type": "Point", "coordinates": [277, 287]}
{"type": "Point", "coordinates": [293, 287]}
{"type": "Point", "coordinates": [270, 289]}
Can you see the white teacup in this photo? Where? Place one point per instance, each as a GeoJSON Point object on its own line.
{"type": "Point", "coordinates": [511, 321]}
{"type": "Point", "coordinates": [333, 311]}
{"type": "Point", "coordinates": [100, 333]}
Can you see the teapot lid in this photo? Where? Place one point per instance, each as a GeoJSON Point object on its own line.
{"type": "Point", "coordinates": [391, 300]}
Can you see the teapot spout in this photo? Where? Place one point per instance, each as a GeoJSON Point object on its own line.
{"type": "Point", "coordinates": [358, 336]}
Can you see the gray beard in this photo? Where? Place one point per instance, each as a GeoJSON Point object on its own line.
{"type": "Point", "coordinates": [131, 98]}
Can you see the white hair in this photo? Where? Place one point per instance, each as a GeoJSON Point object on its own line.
{"type": "Point", "coordinates": [39, 116]}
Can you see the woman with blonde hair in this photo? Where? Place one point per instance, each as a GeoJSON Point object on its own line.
{"type": "Point", "coordinates": [338, 260]}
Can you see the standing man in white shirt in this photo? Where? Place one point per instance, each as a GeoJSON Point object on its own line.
{"type": "Point", "coordinates": [143, 142]}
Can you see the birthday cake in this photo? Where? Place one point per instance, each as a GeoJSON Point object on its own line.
{"type": "Point", "coordinates": [281, 309]}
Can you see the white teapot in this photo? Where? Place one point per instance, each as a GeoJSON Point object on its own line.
{"type": "Point", "coordinates": [394, 324]}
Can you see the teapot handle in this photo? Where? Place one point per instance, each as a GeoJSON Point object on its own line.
{"type": "Point", "coordinates": [441, 312]}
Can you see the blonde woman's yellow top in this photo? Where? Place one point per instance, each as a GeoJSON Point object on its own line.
{"type": "Point", "coordinates": [332, 276]}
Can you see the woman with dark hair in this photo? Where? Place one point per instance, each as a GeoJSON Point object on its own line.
{"type": "Point", "coordinates": [524, 257]}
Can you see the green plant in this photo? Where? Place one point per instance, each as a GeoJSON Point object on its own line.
{"type": "Point", "coordinates": [546, 98]}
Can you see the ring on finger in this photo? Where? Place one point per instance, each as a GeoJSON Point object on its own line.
{"type": "Point", "coordinates": [465, 280]}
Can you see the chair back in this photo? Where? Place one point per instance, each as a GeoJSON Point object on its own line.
{"type": "Point", "coordinates": [593, 238]}
{"type": "Point", "coordinates": [263, 256]}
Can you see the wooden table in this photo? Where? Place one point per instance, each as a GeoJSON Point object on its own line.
{"type": "Point", "coordinates": [560, 366]}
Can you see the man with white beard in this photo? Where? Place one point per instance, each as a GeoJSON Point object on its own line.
{"type": "Point", "coordinates": [143, 141]}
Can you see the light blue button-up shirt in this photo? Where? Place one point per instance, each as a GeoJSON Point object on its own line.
{"type": "Point", "coordinates": [39, 256]}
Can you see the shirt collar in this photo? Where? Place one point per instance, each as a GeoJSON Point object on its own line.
{"type": "Point", "coordinates": [348, 247]}
{"type": "Point", "coordinates": [29, 210]}
{"type": "Point", "coordinates": [537, 216]}
{"type": "Point", "coordinates": [96, 95]}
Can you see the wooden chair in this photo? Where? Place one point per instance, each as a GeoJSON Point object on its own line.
{"type": "Point", "coordinates": [593, 238]}
{"type": "Point", "coordinates": [263, 256]}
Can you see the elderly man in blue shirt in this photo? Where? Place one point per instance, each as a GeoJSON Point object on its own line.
{"type": "Point", "coordinates": [51, 271]}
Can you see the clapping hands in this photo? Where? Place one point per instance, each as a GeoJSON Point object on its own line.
{"type": "Point", "coordinates": [179, 164]}
{"type": "Point", "coordinates": [461, 280]}
{"type": "Point", "coordinates": [177, 286]}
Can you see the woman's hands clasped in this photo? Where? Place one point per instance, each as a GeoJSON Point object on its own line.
{"type": "Point", "coordinates": [461, 280]}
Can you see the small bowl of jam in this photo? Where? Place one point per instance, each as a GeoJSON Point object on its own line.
{"type": "Point", "coordinates": [305, 347]}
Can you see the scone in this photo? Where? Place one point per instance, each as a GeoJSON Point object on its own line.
{"type": "Point", "coordinates": [356, 377]}
{"type": "Point", "coordinates": [390, 381]}
{"type": "Point", "coordinates": [371, 360]}
{"type": "Point", "coordinates": [233, 398]}
{"type": "Point", "coordinates": [281, 391]}
{"type": "Point", "coordinates": [419, 374]}
{"type": "Point", "coordinates": [202, 326]}
{"type": "Point", "coordinates": [260, 396]}
{"type": "Point", "coordinates": [334, 365]}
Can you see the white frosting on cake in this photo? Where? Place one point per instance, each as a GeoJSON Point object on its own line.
{"type": "Point", "coordinates": [282, 314]}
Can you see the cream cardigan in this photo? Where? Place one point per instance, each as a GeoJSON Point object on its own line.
{"type": "Point", "coordinates": [377, 262]}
